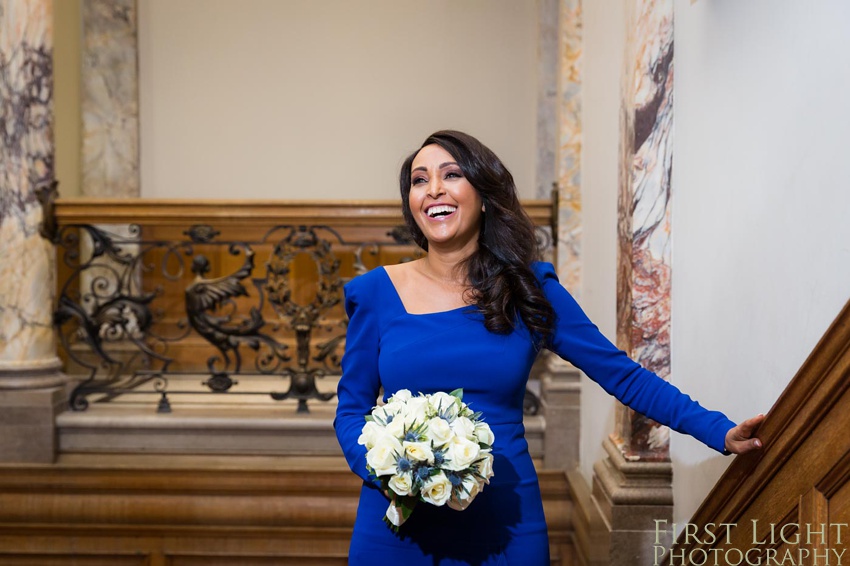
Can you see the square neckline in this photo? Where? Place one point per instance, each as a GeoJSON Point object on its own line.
{"type": "Point", "coordinates": [404, 310]}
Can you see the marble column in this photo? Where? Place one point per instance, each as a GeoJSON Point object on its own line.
{"type": "Point", "coordinates": [633, 485]}
{"type": "Point", "coordinates": [569, 145]}
{"type": "Point", "coordinates": [644, 227]}
{"type": "Point", "coordinates": [31, 389]}
{"type": "Point", "coordinates": [110, 99]}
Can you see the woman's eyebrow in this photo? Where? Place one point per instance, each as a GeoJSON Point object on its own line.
{"type": "Point", "coordinates": [442, 166]}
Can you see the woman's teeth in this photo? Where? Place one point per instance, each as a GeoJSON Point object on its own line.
{"type": "Point", "coordinates": [441, 210]}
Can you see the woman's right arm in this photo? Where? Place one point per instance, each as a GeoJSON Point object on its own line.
{"type": "Point", "coordinates": [360, 381]}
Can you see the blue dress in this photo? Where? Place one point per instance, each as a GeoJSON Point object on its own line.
{"type": "Point", "coordinates": [386, 346]}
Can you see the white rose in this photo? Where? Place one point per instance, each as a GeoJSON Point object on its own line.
{"type": "Point", "coordinates": [396, 428]}
{"type": "Point", "coordinates": [419, 451]}
{"type": "Point", "coordinates": [464, 428]}
{"type": "Point", "coordinates": [401, 483]}
{"type": "Point", "coordinates": [444, 404]}
{"type": "Point", "coordinates": [402, 395]}
{"type": "Point", "coordinates": [463, 495]}
{"type": "Point", "coordinates": [485, 467]}
{"type": "Point", "coordinates": [415, 411]}
{"type": "Point", "coordinates": [437, 489]}
{"type": "Point", "coordinates": [393, 407]}
{"type": "Point", "coordinates": [382, 457]}
{"type": "Point", "coordinates": [484, 434]}
{"type": "Point", "coordinates": [380, 414]}
{"type": "Point", "coordinates": [370, 434]}
{"type": "Point", "coordinates": [460, 454]}
{"type": "Point", "coordinates": [439, 431]}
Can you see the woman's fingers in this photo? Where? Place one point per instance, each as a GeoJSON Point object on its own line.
{"type": "Point", "coordinates": [740, 440]}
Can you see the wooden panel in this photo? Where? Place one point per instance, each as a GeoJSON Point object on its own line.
{"type": "Point", "coordinates": [72, 560]}
{"type": "Point", "coordinates": [186, 511]}
{"type": "Point", "coordinates": [254, 561]}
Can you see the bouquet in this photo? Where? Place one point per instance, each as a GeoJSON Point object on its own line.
{"type": "Point", "coordinates": [430, 448]}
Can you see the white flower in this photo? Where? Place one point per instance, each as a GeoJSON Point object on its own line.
{"type": "Point", "coordinates": [396, 427]}
{"type": "Point", "coordinates": [444, 404]}
{"type": "Point", "coordinates": [464, 428]}
{"type": "Point", "coordinates": [393, 407]}
{"type": "Point", "coordinates": [415, 411]}
{"type": "Point", "coordinates": [382, 457]}
{"type": "Point", "coordinates": [484, 434]}
{"type": "Point", "coordinates": [419, 451]}
{"type": "Point", "coordinates": [460, 454]}
{"type": "Point", "coordinates": [401, 483]}
{"type": "Point", "coordinates": [437, 489]}
{"type": "Point", "coordinates": [402, 395]}
{"type": "Point", "coordinates": [485, 467]}
{"type": "Point", "coordinates": [463, 495]}
{"type": "Point", "coordinates": [439, 431]}
{"type": "Point", "coordinates": [370, 434]}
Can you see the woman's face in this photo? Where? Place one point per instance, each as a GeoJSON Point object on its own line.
{"type": "Point", "coordinates": [444, 205]}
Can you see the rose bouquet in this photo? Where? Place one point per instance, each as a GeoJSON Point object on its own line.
{"type": "Point", "coordinates": [430, 448]}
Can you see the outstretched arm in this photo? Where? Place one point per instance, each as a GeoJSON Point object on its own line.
{"type": "Point", "coordinates": [576, 339]}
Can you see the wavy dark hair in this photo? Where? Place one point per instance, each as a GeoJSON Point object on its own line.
{"type": "Point", "coordinates": [499, 272]}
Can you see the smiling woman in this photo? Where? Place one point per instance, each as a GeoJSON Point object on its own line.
{"type": "Point", "coordinates": [473, 315]}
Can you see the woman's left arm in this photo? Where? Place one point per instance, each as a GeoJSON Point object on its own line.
{"type": "Point", "coordinates": [576, 339]}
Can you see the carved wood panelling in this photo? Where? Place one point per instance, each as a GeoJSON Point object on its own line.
{"type": "Point", "coordinates": [193, 511]}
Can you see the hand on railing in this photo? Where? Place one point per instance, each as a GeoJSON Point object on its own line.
{"type": "Point", "coordinates": [740, 440]}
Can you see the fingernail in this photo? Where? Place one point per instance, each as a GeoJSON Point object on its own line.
{"type": "Point", "coordinates": [757, 443]}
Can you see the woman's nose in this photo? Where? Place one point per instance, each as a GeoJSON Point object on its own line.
{"type": "Point", "coordinates": [435, 188]}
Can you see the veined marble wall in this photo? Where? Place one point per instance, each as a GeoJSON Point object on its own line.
{"type": "Point", "coordinates": [27, 267]}
{"type": "Point", "coordinates": [569, 146]}
{"type": "Point", "coordinates": [644, 228]}
{"type": "Point", "coordinates": [110, 99]}
{"type": "Point", "coordinates": [548, 14]}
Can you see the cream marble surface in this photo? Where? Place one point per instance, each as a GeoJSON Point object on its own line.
{"type": "Point", "coordinates": [110, 85]}
{"type": "Point", "coordinates": [569, 146]}
{"type": "Point", "coordinates": [27, 340]}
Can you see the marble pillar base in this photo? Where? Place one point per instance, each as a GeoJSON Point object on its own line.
{"type": "Point", "coordinates": [28, 377]}
{"type": "Point", "coordinates": [28, 421]}
{"type": "Point", "coordinates": [560, 399]}
{"type": "Point", "coordinates": [631, 497]}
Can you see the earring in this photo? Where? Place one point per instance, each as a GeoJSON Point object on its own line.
{"type": "Point", "coordinates": [483, 208]}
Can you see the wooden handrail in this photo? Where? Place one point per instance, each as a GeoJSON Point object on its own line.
{"type": "Point", "coordinates": [229, 212]}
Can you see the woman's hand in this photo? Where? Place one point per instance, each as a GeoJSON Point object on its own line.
{"type": "Point", "coordinates": [740, 440]}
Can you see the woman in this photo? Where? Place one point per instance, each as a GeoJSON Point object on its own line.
{"type": "Point", "coordinates": [473, 314]}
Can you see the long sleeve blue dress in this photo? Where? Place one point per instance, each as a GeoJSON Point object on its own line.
{"type": "Point", "coordinates": [442, 351]}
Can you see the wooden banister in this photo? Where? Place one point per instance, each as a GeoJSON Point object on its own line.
{"type": "Point", "coordinates": [228, 212]}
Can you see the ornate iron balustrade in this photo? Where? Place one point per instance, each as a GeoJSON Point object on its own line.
{"type": "Point", "coordinates": [138, 307]}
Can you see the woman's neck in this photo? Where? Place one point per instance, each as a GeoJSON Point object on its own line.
{"type": "Point", "coordinates": [445, 268]}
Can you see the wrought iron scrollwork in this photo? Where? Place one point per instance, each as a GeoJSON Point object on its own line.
{"type": "Point", "coordinates": [207, 299]}
{"type": "Point", "coordinates": [303, 318]}
{"type": "Point", "coordinates": [129, 336]}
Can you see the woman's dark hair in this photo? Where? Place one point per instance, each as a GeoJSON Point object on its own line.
{"type": "Point", "coordinates": [503, 285]}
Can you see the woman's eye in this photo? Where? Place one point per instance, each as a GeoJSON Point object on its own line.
{"type": "Point", "coordinates": [453, 174]}
{"type": "Point", "coordinates": [417, 181]}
